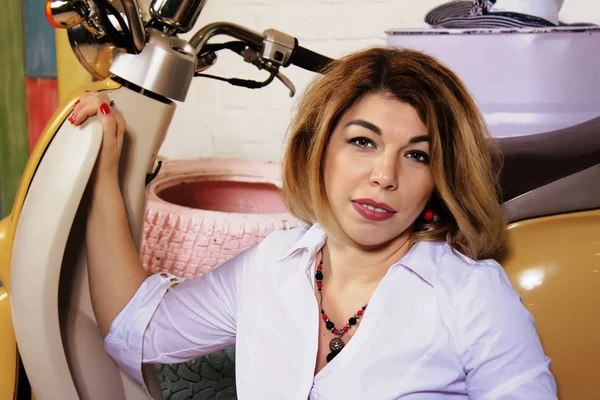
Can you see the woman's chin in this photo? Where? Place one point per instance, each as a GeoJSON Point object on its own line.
{"type": "Point", "coordinates": [373, 237]}
{"type": "Point", "coordinates": [372, 241]}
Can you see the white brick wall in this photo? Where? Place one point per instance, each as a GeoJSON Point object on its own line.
{"type": "Point", "coordinates": [220, 120]}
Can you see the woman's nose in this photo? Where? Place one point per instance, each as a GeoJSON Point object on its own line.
{"type": "Point", "coordinates": [385, 173]}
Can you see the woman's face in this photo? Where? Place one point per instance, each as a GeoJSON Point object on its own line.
{"type": "Point", "coordinates": [376, 171]}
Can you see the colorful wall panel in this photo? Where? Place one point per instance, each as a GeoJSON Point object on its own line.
{"type": "Point", "coordinates": [39, 51]}
{"type": "Point", "coordinates": [13, 115]}
{"type": "Point", "coordinates": [38, 35]}
{"type": "Point", "coordinates": [42, 100]}
{"type": "Point", "coordinates": [38, 68]}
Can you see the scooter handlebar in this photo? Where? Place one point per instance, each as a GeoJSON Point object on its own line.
{"type": "Point", "coordinates": [301, 56]}
{"type": "Point", "coordinates": [308, 59]}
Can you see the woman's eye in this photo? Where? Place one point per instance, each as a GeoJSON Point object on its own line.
{"type": "Point", "coordinates": [361, 142]}
{"type": "Point", "coordinates": [419, 156]}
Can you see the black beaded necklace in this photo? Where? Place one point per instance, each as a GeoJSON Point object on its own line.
{"type": "Point", "coordinates": [336, 344]}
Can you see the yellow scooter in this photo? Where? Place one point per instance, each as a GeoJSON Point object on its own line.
{"type": "Point", "coordinates": [553, 256]}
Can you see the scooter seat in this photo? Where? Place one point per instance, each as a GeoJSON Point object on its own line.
{"type": "Point", "coordinates": [533, 161]}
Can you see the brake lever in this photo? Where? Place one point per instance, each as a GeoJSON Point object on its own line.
{"type": "Point", "coordinates": [284, 79]}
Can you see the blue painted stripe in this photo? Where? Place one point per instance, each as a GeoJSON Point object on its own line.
{"type": "Point", "coordinates": [39, 41]}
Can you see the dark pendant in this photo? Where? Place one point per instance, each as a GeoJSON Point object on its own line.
{"type": "Point", "coordinates": [331, 355]}
{"type": "Point", "coordinates": [336, 345]}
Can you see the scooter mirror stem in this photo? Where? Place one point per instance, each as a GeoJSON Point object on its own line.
{"type": "Point", "coordinates": [179, 16]}
{"type": "Point", "coordinates": [136, 26]}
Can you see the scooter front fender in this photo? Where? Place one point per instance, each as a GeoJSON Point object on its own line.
{"type": "Point", "coordinates": [8, 347]}
{"type": "Point", "coordinates": [59, 342]}
{"type": "Point", "coordinates": [39, 244]}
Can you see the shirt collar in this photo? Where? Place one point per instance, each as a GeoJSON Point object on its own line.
{"type": "Point", "coordinates": [422, 258]}
{"type": "Point", "coordinates": [313, 239]}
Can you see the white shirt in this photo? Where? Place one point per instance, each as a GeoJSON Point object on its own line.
{"type": "Point", "coordinates": [438, 326]}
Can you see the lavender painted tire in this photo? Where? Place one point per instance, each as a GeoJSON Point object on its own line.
{"type": "Point", "coordinates": [202, 212]}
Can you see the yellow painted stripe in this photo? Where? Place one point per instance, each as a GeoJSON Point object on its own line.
{"type": "Point", "coordinates": [71, 74]}
{"type": "Point", "coordinates": [8, 350]}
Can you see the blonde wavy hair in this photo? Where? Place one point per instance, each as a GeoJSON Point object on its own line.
{"type": "Point", "coordinates": [465, 162]}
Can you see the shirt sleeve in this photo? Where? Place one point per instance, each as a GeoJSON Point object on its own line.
{"type": "Point", "coordinates": [500, 348]}
{"type": "Point", "coordinates": [171, 320]}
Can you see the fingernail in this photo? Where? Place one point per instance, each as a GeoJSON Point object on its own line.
{"type": "Point", "coordinates": [77, 102]}
{"type": "Point", "coordinates": [104, 108]}
{"type": "Point", "coordinates": [72, 118]}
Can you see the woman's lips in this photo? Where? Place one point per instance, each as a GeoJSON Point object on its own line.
{"type": "Point", "coordinates": [384, 211]}
{"type": "Point", "coordinates": [375, 204]}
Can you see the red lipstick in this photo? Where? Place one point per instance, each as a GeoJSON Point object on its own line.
{"type": "Point", "coordinates": [372, 214]}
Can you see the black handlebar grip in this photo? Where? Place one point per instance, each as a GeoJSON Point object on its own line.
{"type": "Point", "coordinates": [308, 59]}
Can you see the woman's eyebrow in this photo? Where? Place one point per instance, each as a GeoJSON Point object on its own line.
{"type": "Point", "coordinates": [419, 139]}
{"type": "Point", "coordinates": [365, 124]}
{"type": "Point", "coordinates": [375, 129]}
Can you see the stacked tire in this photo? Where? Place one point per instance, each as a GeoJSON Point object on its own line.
{"type": "Point", "coordinates": [202, 212]}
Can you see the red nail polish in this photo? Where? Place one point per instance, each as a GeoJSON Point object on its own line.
{"type": "Point", "coordinates": [72, 118]}
{"type": "Point", "coordinates": [104, 108]}
{"type": "Point", "coordinates": [77, 102]}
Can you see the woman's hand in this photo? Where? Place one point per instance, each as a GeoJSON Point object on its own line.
{"type": "Point", "coordinates": [113, 126]}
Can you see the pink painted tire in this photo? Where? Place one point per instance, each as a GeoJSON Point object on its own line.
{"type": "Point", "coordinates": [202, 212]}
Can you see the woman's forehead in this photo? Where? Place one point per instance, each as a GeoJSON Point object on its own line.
{"type": "Point", "coordinates": [384, 112]}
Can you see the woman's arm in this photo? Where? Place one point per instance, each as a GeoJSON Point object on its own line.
{"type": "Point", "coordinates": [114, 267]}
{"type": "Point", "coordinates": [496, 336]}
{"type": "Point", "coordinates": [161, 318]}
{"type": "Point", "coordinates": [171, 320]}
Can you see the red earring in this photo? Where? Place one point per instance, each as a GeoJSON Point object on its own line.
{"type": "Point", "coordinates": [428, 215]}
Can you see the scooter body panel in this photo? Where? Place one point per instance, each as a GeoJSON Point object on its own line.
{"type": "Point", "coordinates": [38, 248]}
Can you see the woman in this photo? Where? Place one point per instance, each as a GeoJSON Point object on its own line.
{"type": "Point", "coordinates": [391, 293]}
